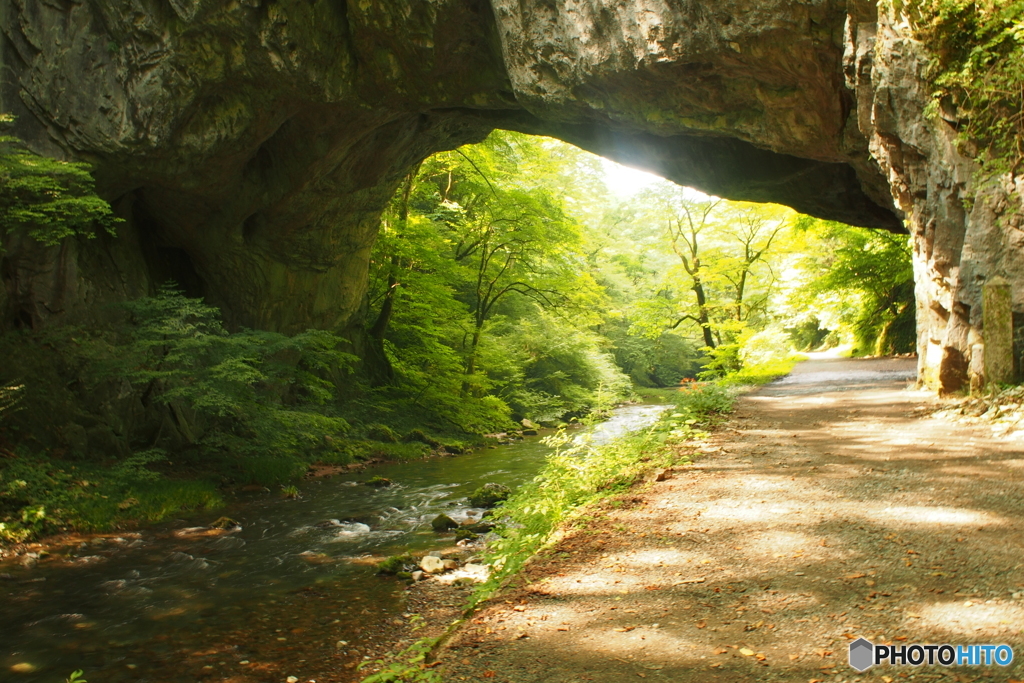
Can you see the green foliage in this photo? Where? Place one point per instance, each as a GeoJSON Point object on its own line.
{"type": "Point", "coordinates": [422, 437]}
{"type": "Point", "coordinates": [653, 362]}
{"type": "Point", "coordinates": [868, 277]}
{"type": "Point", "coordinates": [978, 72]}
{"type": "Point", "coordinates": [481, 291]}
{"type": "Point", "coordinates": [77, 676]}
{"type": "Point", "coordinates": [545, 369]}
{"type": "Point", "coordinates": [705, 398]}
{"type": "Point", "coordinates": [180, 348]}
{"type": "Point", "coordinates": [46, 198]}
{"type": "Point", "coordinates": [379, 432]}
{"type": "Point", "coordinates": [259, 394]}
{"type": "Point", "coordinates": [40, 495]}
{"type": "Point", "coordinates": [721, 361]}
{"type": "Point", "coordinates": [408, 666]}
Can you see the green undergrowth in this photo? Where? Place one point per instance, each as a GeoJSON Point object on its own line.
{"type": "Point", "coordinates": [41, 495]}
{"type": "Point", "coordinates": [169, 411]}
{"type": "Point", "coordinates": [977, 70]}
{"type": "Point", "coordinates": [578, 474]}
{"type": "Point", "coordinates": [763, 373]}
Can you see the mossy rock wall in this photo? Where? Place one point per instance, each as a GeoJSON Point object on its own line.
{"type": "Point", "coordinates": [252, 145]}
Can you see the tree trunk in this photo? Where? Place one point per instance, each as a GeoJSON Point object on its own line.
{"type": "Point", "coordinates": [471, 359]}
{"type": "Point", "coordinates": [378, 364]}
{"type": "Point", "coordinates": [705, 319]}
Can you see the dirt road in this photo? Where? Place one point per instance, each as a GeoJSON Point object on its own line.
{"type": "Point", "coordinates": [829, 507]}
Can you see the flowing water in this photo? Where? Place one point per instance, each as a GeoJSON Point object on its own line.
{"type": "Point", "coordinates": [293, 590]}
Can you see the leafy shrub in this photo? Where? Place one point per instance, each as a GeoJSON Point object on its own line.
{"type": "Point", "coordinates": [705, 398]}
{"type": "Point", "coordinates": [407, 666]}
{"type": "Point", "coordinates": [422, 437]}
{"type": "Point", "coordinates": [269, 470]}
{"type": "Point", "coordinates": [379, 432]}
{"type": "Point", "coordinates": [46, 198]}
{"type": "Point", "coordinates": [41, 496]}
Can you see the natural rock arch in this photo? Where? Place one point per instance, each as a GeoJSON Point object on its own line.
{"type": "Point", "coordinates": [251, 145]}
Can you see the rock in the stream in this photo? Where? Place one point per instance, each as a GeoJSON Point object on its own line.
{"type": "Point", "coordinates": [443, 523]}
{"type": "Point", "coordinates": [489, 495]}
{"type": "Point", "coordinates": [529, 424]}
{"type": "Point", "coordinates": [225, 523]}
{"type": "Point", "coordinates": [449, 564]}
{"type": "Point", "coordinates": [482, 527]}
{"type": "Point", "coordinates": [418, 576]}
{"type": "Point", "coordinates": [431, 564]}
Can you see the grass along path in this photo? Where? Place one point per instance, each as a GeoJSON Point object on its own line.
{"type": "Point", "coordinates": [826, 509]}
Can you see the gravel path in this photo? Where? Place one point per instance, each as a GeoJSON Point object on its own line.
{"type": "Point", "coordinates": [829, 507]}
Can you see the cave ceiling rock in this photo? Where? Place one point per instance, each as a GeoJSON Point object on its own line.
{"type": "Point", "coordinates": [252, 144]}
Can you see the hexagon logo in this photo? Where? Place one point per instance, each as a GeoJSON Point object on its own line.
{"type": "Point", "coordinates": [862, 654]}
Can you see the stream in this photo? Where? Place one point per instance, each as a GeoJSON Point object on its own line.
{"type": "Point", "coordinates": [294, 588]}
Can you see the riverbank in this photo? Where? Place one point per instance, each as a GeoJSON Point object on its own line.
{"type": "Point", "coordinates": [578, 478]}
{"type": "Point", "coordinates": [191, 598]}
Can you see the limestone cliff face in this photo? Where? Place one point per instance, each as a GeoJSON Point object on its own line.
{"type": "Point", "coordinates": [962, 235]}
{"type": "Point", "coordinates": [251, 144]}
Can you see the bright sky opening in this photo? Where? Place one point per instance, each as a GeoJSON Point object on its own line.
{"type": "Point", "coordinates": [627, 182]}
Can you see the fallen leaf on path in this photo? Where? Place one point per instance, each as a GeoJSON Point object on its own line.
{"type": "Point", "coordinates": [793, 658]}
{"type": "Point", "coordinates": [625, 629]}
{"type": "Point", "coordinates": [716, 665]}
{"type": "Point", "coordinates": [489, 674]}
{"type": "Point", "coordinates": [699, 579]}
{"type": "Point", "coordinates": [701, 624]}
{"type": "Point", "coordinates": [857, 575]}
{"type": "Point", "coordinates": [720, 650]}
{"type": "Point", "coordinates": [746, 652]}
